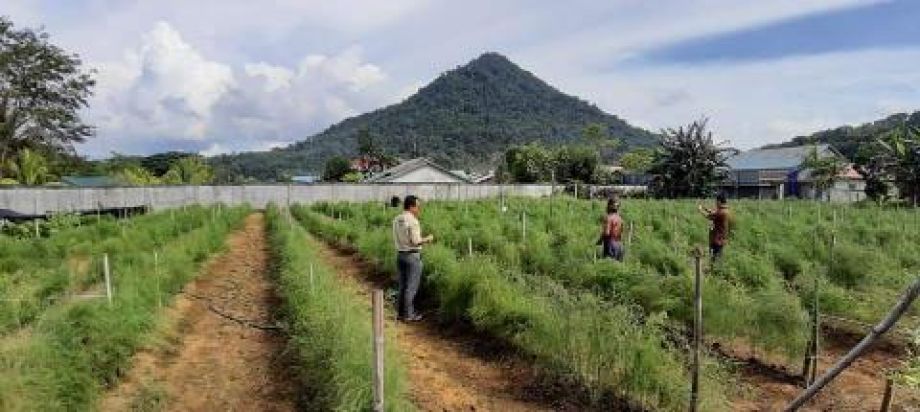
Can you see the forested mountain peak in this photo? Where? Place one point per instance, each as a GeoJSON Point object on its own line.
{"type": "Point", "coordinates": [465, 118]}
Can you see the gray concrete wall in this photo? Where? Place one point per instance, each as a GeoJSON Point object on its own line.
{"type": "Point", "coordinates": [46, 200]}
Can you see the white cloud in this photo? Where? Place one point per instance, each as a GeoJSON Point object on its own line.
{"type": "Point", "coordinates": [755, 103]}
{"type": "Point", "coordinates": [165, 87]}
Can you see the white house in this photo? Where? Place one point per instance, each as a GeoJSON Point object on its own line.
{"type": "Point", "coordinates": [419, 170]}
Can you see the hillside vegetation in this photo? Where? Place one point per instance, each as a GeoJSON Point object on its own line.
{"type": "Point", "coordinates": [465, 117]}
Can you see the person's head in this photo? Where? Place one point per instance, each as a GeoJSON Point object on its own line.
{"type": "Point", "coordinates": [613, 206]}
{"type": "Point", "coordinates": [721, 200]}
{"type": "Point", "coordinates": [394, 201]}
{"type": "Point", "coordinates": [411, 204]}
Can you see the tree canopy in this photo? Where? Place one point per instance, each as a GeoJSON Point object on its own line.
{"type": "Point", "coordinates": [689, 162]}
{"type": "Point", "coordinates": [42, 90]}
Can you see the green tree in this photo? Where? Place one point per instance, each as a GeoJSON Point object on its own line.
{"type": "Point", "coordinates": [596, 136]}
{"type": "Point", "coordinates": [575, 164]}
{"type": "Point", "coordinates": [134, 175]}
{"type": "Point", "coordinates": [336, 168]}
{"type": "Point", "coordinates": [158, 164]}
{"type": "Point", "coordinates": [29, 167]}
{"type": "Point", "coordinates": [529, 163]}
{"type": "Point", "coordinates": [638, 160]}
{"type": "Point", "coordinates": [42, 90]}
{"type": "Point", "coordinates": [689, 163]}
{"type": "Point", "coordinates": [823, 170]}
{"type": "Point", "coordinates": [192, 170]}
{"type": "Point", "coordinates": [901, 155]}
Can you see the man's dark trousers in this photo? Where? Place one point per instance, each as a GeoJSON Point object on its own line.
{"type": "Point", "coordinates": [409, 265]}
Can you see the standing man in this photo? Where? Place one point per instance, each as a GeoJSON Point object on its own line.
{"type": "Point", "coordinates": [407, 233]}
{"type": "Point", "coordinates": [721, 225]}
{"type": "Point", "coordinates": [612, 232]}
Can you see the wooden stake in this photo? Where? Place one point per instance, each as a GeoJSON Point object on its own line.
{"type": "Point", "coordinates": [697, 329]}
{"type": "Point", "coordinates": [523, 226]}
{"type": "Point", "coordinates": [311, 278]}
{"type": "Point", "coordinates": [156, 275]}
{"type": "Point", "coordinates": [469, 245]}
{"type": "Point", "coordinates": [108, 277]}
{"type": "Point", "coordinates": [377, 301]}
{"type": "Point", "coordinates": [886, 398]}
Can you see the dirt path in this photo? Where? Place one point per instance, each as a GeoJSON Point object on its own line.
{"type": "Point", "coordinates": [205, 361]}
{"type": "Point", "coordinates": [450, 370]}
{"type": "Point", "coordinates": [859, 388]}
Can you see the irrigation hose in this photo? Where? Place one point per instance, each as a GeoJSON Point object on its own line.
{"type": "Point", "coordinates": [241, 321]}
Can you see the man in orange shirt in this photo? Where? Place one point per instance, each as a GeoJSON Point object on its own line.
{"type": "Point", "coordinates": [612, 232]}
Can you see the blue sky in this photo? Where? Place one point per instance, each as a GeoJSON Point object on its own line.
{"type": "Point", "coordinates": [221, 76]}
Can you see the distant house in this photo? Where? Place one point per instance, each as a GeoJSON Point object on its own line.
{"type": "Point", "coordinates": [90, 181]}
{"type": "Point", "coordinates": [419, 170]}
{"type": "Point", "coordinates": [777, 173]}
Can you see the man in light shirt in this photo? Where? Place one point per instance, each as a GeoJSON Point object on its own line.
{"type": "Point", "coordinates": [407, 234]}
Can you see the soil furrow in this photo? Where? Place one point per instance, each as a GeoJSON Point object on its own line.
{"type": "Point", "coordinates": [204, 361]}
{"type": "Point", "coordinates": [451, 369]}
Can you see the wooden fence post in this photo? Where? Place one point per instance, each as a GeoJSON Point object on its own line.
{"type": "Point", "coordinates": [469, 245]}
{"type": "Point", "coordinates": [108, 277]}
{"type": "Point", "coordinates": [377, 301]}
{"type": "Point", "coordinates": [697, 328]}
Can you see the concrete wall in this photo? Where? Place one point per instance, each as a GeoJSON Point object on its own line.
{"type": "Point", "coordinates": [45, 200]}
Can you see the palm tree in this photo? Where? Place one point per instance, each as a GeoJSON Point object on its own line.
{"type": "Point", "coordinates": [824, 170]}
{"type": "Point", "coordinates": [29, 167]}
{"type": "Point", "coordinates": [190, 170]}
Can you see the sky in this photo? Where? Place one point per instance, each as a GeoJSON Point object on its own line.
{"type": "Point", "coordinates": [221, 76]}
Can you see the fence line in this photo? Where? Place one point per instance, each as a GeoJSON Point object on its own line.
{"type": "Point", "coordinates": [42, 200]}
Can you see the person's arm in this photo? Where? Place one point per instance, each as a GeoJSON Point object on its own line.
{"type": "Point", "coordinates": [704, 211]}
{"type": "Point", "coordinates": [415, 235]}
{"type": "Point", "coordinates": [606, 229]}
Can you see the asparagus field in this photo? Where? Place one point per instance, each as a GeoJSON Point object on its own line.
{"type": "Point", "coordinates": [525, 313]}
{"type": "Point", "coordinates": [527, 272]}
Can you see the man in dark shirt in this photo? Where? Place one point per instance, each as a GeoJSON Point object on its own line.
{"type": "Point", "coordinates": [721, 225]}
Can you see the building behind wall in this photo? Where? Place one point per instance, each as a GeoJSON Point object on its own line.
{"type": "Point", "coordinates": [778, 174]}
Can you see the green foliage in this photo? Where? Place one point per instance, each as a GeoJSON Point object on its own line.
{"type": "Point", "coordinates": [76, 348]}
{"type": "Point", "coordinates": [638, 160]}
{"type": "Point", "coordinates": [191, 170]}
{"type": "Point", "coordinates": [529, 163]}
{"type": "Point", "coordinates": [466, 118]}
{"type": "Point", "coordinates": [689, 162]}
{"type": "Point", "coordinates": [329, 329]}
{"type": "Point", "coordinates": [43, 88]}
{"type": "Point", "coordinates": [336, 168]}
{"type": "Point", "coordinates": [29, 167]}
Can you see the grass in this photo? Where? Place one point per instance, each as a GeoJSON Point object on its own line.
{"type": "Point", "coordinates": [76, 349]}
{"type": "Point", "coordinates": [330, 332]}
{"type": "Point", "coordinates": [37, 273]}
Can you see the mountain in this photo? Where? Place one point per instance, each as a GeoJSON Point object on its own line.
{"type": "Point", "coordinates": [849, 139]}
{"type": "Point", "coordinates": [465, 118]}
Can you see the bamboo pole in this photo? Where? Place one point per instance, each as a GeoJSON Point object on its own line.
{"type": "Point", "coordinates": [697, 328]}
{"type": "Point", "coordinates": [377, 301]}
{"type": "Point", "coordinates": [910, 295]}
{"type": "Point", "coordinates": [108, 277]}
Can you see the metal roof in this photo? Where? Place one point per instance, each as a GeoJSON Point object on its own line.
{"type": "Point", "coordinates": [90, 181]}
{"type": "Point", "coordinates": [410, 166]}
{"type": "Point", "coordinates": [778, 158]}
